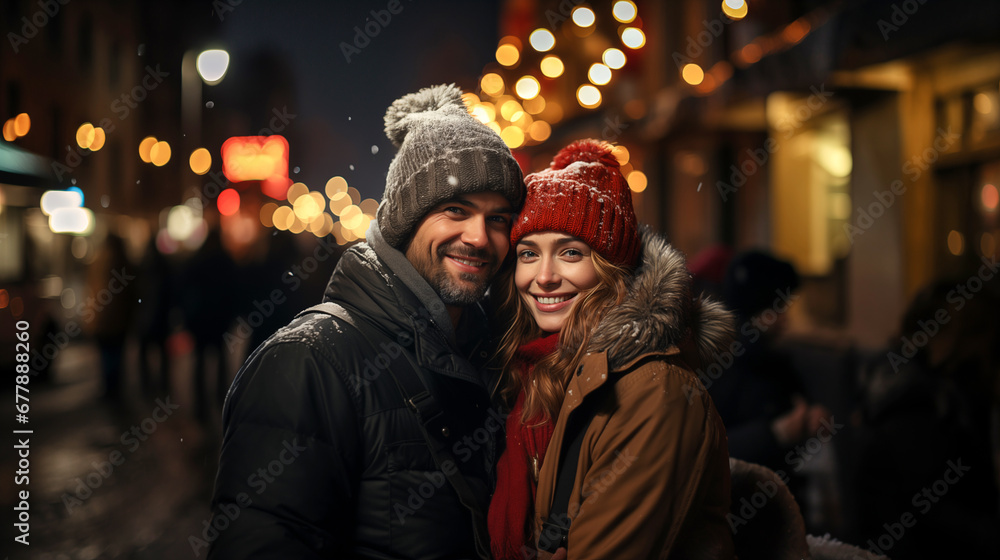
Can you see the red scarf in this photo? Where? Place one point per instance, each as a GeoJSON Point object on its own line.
{"type": "Point", "coordinates": [512, 508]}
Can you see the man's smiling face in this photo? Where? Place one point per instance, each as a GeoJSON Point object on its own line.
{"type": "Point", "coordinates": [460, 244]}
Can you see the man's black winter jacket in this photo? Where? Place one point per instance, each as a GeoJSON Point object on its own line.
{"type": "Point", "coordinates": [321, 458]}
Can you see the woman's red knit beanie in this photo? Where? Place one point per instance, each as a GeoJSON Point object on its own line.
{"type": "Point", "coordinates": [584, 194]}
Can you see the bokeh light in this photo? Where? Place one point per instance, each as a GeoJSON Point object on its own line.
{"type": "Point", "coordinates": [338, 202]}
{"type": "Point", "coordinates": [336, 184]}
{"type": "Point", "coordinates": [200, 161]}
{"type": "Point", "coordinates": [145, 147]}
{"type": "Point", "coordinates": [624, 11]}
{"type": "Point", "coordinates": [267, 214]}
{"type": "Point", "coordinates": [492, 84]}
{"type": "Point", "coordinates": [99, 138]}
{"type": "Point", "coordinates": [513, 136]}
{"type": "Point", "coordinates": [542, 40]}
{"type": "Point", "coordinates": [735, 9]}
{"type": "Point", "coordinates": [588, 96]}
{"type": "Point", "coordinates": [613, 58]}
{"type": "Point", "coordinates": [527, 87]}
{"type": "Point", "coordinates": [228, 202]}
{"type": "Point", "coordinates": [599, 74]}
{"type": "Point", "coordinates": [159, 154]}
{"type": "Point", "coordinates": [989, 196]}
{"type": "Point", "coordinates": [693, 74]}
{"type": "Point", "coordinates": [583, 16]}
{"type": "Point", "coordinates": [22, 124]}
{"type": "Point", "coordinates": [539, 131]}
{"type": "Point", "coordinates": [956, 243]}
{"type": "Point", "coordinates": [552, 66]}
{"type": "Point", "coordinates": [633, 38]}
{"type": "Point", "coordinates": [295, 191]}
{"type": "Point", "coordinates": [637, 181]}
{"type": "Point", "coordinates": [508, 55]}
{"type": "Point", "coordinates": [85, 135]}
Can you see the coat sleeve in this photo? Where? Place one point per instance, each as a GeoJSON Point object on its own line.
{"type": "Point", "coordinates": [289, 466]}
{"type": "Point", "coordinates": [647, 464]}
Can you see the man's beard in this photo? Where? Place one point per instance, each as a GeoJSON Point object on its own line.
{"type": "Point", "coordinates": [464, 290]}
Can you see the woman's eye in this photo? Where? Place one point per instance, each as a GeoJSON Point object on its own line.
{"type": "Point", "coordinates": [526, 255]}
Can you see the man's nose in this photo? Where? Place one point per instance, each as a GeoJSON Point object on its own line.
{"type": "Point", "coordinates": [475, 234]}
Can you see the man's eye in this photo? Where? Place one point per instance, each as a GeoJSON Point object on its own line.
{"type": "Point", "coordinates": [454, 210]}
{"type": "Point", "coordinates": [500, 219]}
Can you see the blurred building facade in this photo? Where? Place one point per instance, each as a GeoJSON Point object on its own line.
{"type": "Point", "coordinates": [859, 140]}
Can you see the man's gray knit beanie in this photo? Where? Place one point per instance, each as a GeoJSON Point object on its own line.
{"type": "Point", "coordinates": [443, 152]}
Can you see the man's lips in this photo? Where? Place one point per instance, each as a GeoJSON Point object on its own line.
{"type": "Point", "coordinates": [549, 303]}
{"type": "Point", "coordinates": [468, 264]}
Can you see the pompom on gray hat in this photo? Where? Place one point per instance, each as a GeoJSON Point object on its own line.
{"type": "Point", "coordinates": [443, 152]}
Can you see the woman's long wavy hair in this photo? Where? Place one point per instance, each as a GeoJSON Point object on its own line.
{"type": "Point", "coordinates": [544, 393]}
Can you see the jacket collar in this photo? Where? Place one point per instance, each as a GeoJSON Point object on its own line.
{"type": "Point", "coordinates": [662, 313]}
{"type": "Point", "coordinates": [363, 281]}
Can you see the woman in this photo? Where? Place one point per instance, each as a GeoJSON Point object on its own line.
{"type": "Point", "coordinates": [602, 319]}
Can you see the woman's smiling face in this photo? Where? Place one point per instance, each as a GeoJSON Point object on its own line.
{"type": "Point", "coordinates": [553, 269]}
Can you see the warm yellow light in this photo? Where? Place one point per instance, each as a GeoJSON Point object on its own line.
{"type": "Point", "coordinates": [534, 105]}
{"type": "Point", "coordinates": [282, 217]}
{"type": "Point", "coordinates": [539, 131]}
{"type": "Point", "coordinates": [613, 58]}
{"type": "Point", "coordinates": [492, 84]}
{"type": "Point", "coordinates": [494, 126]}
{"type": "Point", "coordinates": [624, 11]}
{"type": "Point", "coordinates": [354, 194]}
{"type": "Point", "coordinates": [145, 147]}
{"type": "Point", "coordinates": [956, 243]}
{"type": "Point", "coordinates": [508, 55]}
{"type": "Point", "coordinates": [512, 136]}
{"type": "Point", "coordinates": [621, 154]}
{"type": "Point", "coordinates": [99, 139]}
{"type": "Point", "coordinates": [484, 112]}
{"type": "Point", "coordinates": [599, 74]}
{"type": "Point", "coordinates": [527, 87]}
{"type": "Point", "coordinates": [637, 181]}
{"type": "Point", "coordinates": [693, 74]}
{"type": "Point", "coordinates": [8, 131]}
{"type": "Point", "coordinates": [295, 191]}
{"type": "Point", "coordinates": [335, 185]}
{"type": "Point", "coordinates": [552, 66]}
{"type": "Point", "coordinates": [588, 96]}
{"type": "Point", "coordinates": [338, 202]}
{"type": "Point", "coordinates": [22, 124]}
{"type": "Point", "coordinates": [542, 40]}
{"type": "Point", "coordinates": [159, 154]}
{"type": "Point", "coordinates": [201, 161]}
{"type": "Point", "coordinates": [351, 217]}
{"type": "Point", "coordinates": [297, 226]}
{"type": "Point", "coordinates": [307, 208]}
{"type": "Point", "coordinates": [470, 98]}
{"type": "Point", "coordinates": [85, 135]}
{"type": "Point", "coordinates": [583, 16]}
{"type": "Point", "coordinates": [735, 9]}
{"type": "Point", "coordinates": [267, 214]}
{"type": "Point", "coordinates": [508, 109]}
{"type": "Point", "coordinates": [633, 38]}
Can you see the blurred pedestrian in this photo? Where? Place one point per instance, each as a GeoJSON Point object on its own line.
{"type": "Point", "coordinates": [108, 309]}
{"type": "Point", "coordinates": [925, 445]}
{"type": "Point", "coordinates": [760, 395]}
{"type": "Point", "coordinates": [154, 287]}
{"type": "Point", "coordinates": [206, 299]}
{"type": "Point", "coordinates": [374, 406]}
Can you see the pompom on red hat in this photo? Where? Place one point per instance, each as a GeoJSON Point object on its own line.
{"type": "Point", "coordinates": [584, 194]}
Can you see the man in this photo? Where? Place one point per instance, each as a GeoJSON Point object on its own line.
{"type": "Point", "coordinates": [363, 429]}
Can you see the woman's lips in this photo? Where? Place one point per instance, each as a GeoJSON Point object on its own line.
{"type": "Point", "coordinates": [561, 301]}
